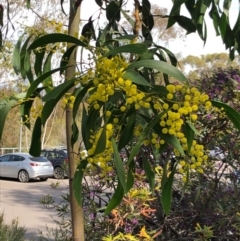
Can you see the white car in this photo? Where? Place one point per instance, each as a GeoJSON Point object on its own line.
{"type": "Point", "coordinates": [24, 167]}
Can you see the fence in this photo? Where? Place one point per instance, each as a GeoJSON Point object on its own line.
{"type": "Point", "coordinates": [6, 150]}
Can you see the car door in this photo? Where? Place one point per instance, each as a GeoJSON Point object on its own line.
{"type": "Point", "coordinates": [51, 156]}
{"type": "Point", "coordinates": [4, 160]}
{"type": "Point", "coordinates": [15, 163]}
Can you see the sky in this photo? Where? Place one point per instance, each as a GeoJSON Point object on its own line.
{"type": "Point", "coordinates": [192, 44]}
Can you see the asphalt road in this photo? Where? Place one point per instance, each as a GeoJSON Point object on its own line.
{"type": "Point", "coordinates": [21, 201]}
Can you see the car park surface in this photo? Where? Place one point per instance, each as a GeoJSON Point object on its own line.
{"type": "Point", "coordinates": [24, 167]}
{"type": "Point", "coordinates": [21, 201]}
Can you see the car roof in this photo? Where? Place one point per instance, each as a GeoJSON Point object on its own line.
{"type": "Point", "coordinates": [54, 149]}
{"type": "Point", "coordinates": [18, 153]}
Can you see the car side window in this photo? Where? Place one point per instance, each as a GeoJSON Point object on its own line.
{"type": "Point", "coordinates": [4, 158]}
{"type": "Point", "coordinates": [16, 158]}
{"type": "Point", "coordinates": [51, 155]}
{"type": "Point", "coordinates": [61, 155]}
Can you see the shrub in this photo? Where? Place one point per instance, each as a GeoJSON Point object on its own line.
{"type": "Point", "coordinates": [12, 231]}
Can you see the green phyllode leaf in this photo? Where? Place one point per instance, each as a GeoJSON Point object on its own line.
{"type": "Point", "coordinates": [36, 144]}
{"type": "Point", "coordinates": [77, 181]}
{"type": "Point", "coordinates": [232, 114]}
{"type": "Point", "coordinates": [116, 198]}
{"type": "Point", "coordinates": [161, 66]}
{"type": "Point", "coordinates": [166, 197]}
{"type": "Point", "coordinates": [119, 166]}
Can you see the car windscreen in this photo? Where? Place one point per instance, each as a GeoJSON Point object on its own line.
{"type": "Point", "coordinates": [38, 159]}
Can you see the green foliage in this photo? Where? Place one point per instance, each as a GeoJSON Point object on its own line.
{"type": "Point", "coordinates": [219, 18]}
{"type": "Point", "coordinates": [123, 107]}
{"type": "Point", "coordinates": [5, 107]}
{"type": "Point", "coordinates": [12, 231]}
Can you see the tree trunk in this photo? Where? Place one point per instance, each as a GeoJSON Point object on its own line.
{"type": "Point", "coordinates": [77, 216]}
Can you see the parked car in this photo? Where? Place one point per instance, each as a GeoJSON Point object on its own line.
{"type": "Point", "coordinates": [24, 167]}
{"type": "Point", "coordinates": [59, 159]}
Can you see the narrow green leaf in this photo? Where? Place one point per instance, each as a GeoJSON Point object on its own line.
{"type": "Point", "coordinates": [113, 11]}
{"type": "Point", "coordinates": [59, 91]}
{"type": "Point", "coordinates": [16, 59]}
{"type": "Point", "coordinates": [149, 54]}
{"type": "Point", "coordinates": [39, 56]}
{"type": "Point", "coordinates": [62, 1]}
{"type": "Point", "coordinates": [165, 172]}
{"type": "Point", "coordinates": [47, 82]}
{"type": "Point", "coordinates": [28, 4]}
{"type": "Point", "coordinates": [49, 107]}
{"type": "Point", "coordinates": [232, 114]}
{"type": "Point", "coordinates": [192, 127]}
{"type": "Point", "coordinates": [147, 18]}
{"type": "Point", "coordinates": [185, 23]}
{"type": "Point", "coordinates": [226, 6]}
{"type": "Point", "coordinates": [85, 133]}
{"type": "Point", "coordinates": [5, 106]}
{"type": "Point", "coordinates": [176, 6]}
{"type": "Point", "coordinates": [215, 17]}
{"type": "Point", "coordinates": [116, 198]}
{"type": "Point", "coordinates": [79, 95]}
{"type": "Point", "coordinates": [90, 124]}
{"type": "Point", "coordinates": [189, 134]}
{"type": "Point", "coordinates": [166, 197]}
{"type": "Point", "coordinates": [129, 48]}
{"type": "Point", "coordinates": [75, 133]}
{"type": "Point", "coordinates": [55, 38]}
{"type": "Point", "coordinates": [126, 38]}
{"type": "Point", "coordinates": [160, 90]}
{"type": "Point", "coordinates": [128, 18]}
{"type": "Point", "coordinates": [101, 144]}
{"type": "Point", "coordinates": [77, 181]}
{"type": "Point", "coordinates": [36, 144]}
{"type": "Point", "coordinates": [99, 3]}
{"type": "Point", "coordinates": [171, 56]}
{"type": "Point", "coordinates": [127, 133]}
{"type": "Point", "coordinates": [136, 148]}
{"type": "Point", "coordinates": [119, 166]}
{"type": "Point", "coordinates": [130, 177]}
{"type": "Point", "coordinates": [39, 80]}
{"type": "Point", "coordinates": [65, 58]}
{"type": "Point", "coordinates": [161, 66]}
{"type": "Point", "coordinates": [25, 107]}
{"type": "Point", "coordinates": [173, 141]}
{"type": "Point", "coordinates": [22, 58]}
{"type": "Point", "coordinates": [135, 77]}
{"type": "Point", "coordinates": [27, 66]}
{"type": "Point", "coordinates": [88, 31]}
{"type": "Point", "coordinates": [102, 35]}
{"type": "Point", "coordinates": [149, 172]}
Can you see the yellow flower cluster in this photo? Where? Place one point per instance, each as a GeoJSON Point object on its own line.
{"type": "Point", "coordinates": [180, 105]}
{"type": "Point", "coordinates": [36, 111]}
{"type": "Point", "coordinates": [142, 236]}
{"type": "Point", "coordinates": [68, 100]}
{"type": "Point", "coordinates": [108, 79]}
{"type": "Point", "coordinates": [101, 160]}
{"type": "Point", "coordinates": [196, 160]}
{"type": "Point", "coordinates": [184, 104]}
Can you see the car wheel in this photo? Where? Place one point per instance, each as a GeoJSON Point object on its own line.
{"type": "Point", "coordinates": [43, 179]}
{"type": "Point", "coordinates": [58, 173]}
{"type": "Point", "coordinates": [23, 176]}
